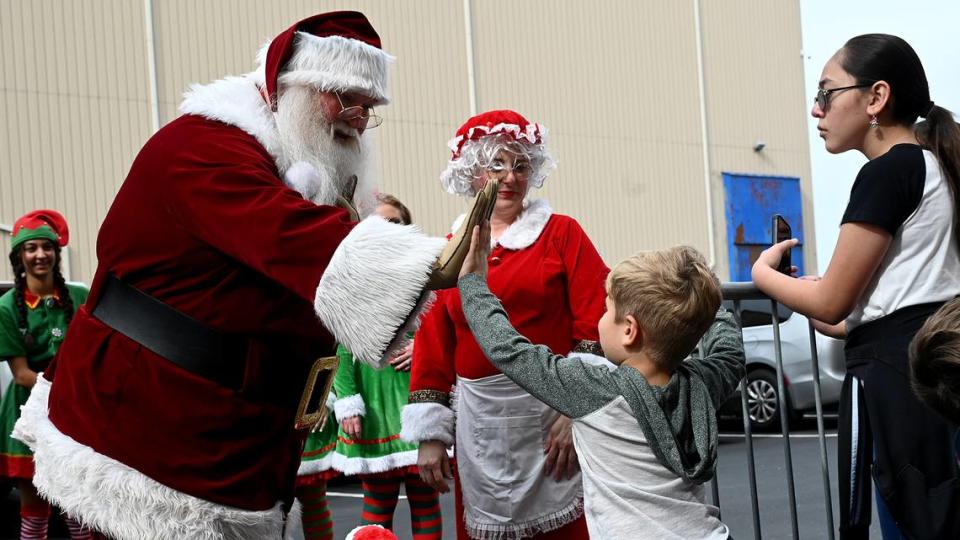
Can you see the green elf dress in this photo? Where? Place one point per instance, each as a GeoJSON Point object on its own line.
{"type": "Point", "coordinates": [47, 323]}
{"type": "Point", "coordinates": [378, 396]}
{"type": "Point", "coordinates": [315, 461]}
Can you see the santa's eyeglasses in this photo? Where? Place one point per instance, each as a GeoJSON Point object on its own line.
{"type": "Point", "coordinates": [358, 116]}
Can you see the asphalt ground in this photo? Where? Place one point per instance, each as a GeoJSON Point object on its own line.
{"type": "Point", "coordinates": [346, 503]}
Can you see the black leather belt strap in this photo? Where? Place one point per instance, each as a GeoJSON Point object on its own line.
{"type": "Point", "coordinates": [171, 334]}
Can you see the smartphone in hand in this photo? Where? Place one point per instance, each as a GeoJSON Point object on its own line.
{"type": "Point", "coordinates": [781, 231]}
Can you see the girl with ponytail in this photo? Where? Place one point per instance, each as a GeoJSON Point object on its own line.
{"type": "Point", "coordinates": [34, 316]}
{"type": "Point", "coordinates": [895, 263]}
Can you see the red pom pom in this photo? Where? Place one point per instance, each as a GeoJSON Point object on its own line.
{"type": "Point", "coordinates": [371, 532]}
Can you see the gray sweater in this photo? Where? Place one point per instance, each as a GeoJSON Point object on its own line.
{"type": "Point", "coordinates": [677, 422]}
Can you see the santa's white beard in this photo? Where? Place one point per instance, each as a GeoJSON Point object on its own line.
{"type": "Point", "coordinates": [306, 136]}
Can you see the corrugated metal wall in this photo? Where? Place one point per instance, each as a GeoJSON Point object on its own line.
{"type": "Point", "coordinates": [75, 111]}
{"type": "Point", "coordinates": [618, 87]}
{"type": "Point", "coordinates": [754, 77]}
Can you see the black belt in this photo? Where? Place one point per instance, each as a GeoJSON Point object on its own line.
{"type": "Point", "coordinates": [171, 334]}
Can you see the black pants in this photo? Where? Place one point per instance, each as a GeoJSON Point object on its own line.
{"type": "Point", "coordinates": [915, 469]}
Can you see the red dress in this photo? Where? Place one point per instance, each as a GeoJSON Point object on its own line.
{"type": "Point", "coordinates": [550, 279]}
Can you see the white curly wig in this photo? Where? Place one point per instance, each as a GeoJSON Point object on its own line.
{"type": "Point", "coordinates": [476, 155]}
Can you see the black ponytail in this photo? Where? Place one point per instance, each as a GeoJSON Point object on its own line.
{"type": "Point", "coordinates": [940, 134]}
{"type": "Point", "coordinates": [881, 57]}
{"type": "Point", "coordinates": [19, 286]}
{"type": "Point", "coordinates": [66, 301]}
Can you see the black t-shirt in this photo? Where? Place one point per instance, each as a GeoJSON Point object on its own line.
{"type": "Point", "coordinates": [888, 189]}
{"type": "Point", "coordinates": [904, 192]}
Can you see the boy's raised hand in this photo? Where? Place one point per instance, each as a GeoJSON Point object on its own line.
{"type": "Point", "coordinates": [476, 261]}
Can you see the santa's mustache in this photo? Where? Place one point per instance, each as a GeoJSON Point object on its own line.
{"type": "Point", "coordinates": [346, 133]}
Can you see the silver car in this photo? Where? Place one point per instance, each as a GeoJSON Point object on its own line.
{"type": "Point", "coordinates": [759, 348]}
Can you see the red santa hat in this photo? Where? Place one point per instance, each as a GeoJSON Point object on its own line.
{"type": "Point", "coordinates": [458, 177]}
{"type": "Point", "coordinates": [336, 52]}
{"type": "Point", "coordinates": [40, 224]}
{"type": "Point", "coordinates": [492, 122]}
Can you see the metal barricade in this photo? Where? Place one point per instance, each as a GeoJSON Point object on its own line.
{"type": "Point", "coordinates": [737, 292]}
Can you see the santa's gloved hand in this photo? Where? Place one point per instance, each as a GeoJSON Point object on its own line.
{"type": "Point", "coordinates": [447, 269]}
{"type": "Point", "coordinates": [344, 203]}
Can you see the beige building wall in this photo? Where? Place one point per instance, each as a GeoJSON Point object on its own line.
{"type": "Point", "coordinates": [619, 88]}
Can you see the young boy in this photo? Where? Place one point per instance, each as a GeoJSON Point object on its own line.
{"type": "Point", "coordinates": [645, 433]}
{"type": "Point", "coordinates": [935, 363]}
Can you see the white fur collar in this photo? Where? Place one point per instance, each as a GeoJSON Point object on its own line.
{"type": "Point", "coordinates": [235, 101]}
{"type": "Point", "coordinates": [523, 232]}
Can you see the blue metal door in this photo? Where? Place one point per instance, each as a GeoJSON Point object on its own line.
{"type": "Point", "coordinates": [751, 202]}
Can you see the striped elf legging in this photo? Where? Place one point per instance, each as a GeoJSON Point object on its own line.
{"type": "Point", "coordinates": [380, 494]}
{"type": "Point", "coordinates": [317, 519]}
{"type": "Point", "coordinates": [34, 524]}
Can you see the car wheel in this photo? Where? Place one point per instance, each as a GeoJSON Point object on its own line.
{"type": "Point", "coordinates": [763, 401]}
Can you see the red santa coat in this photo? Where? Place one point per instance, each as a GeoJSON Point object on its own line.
{"type": "Point", "coordinates": [135, 445]}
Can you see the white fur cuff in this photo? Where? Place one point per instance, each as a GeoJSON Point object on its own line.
{"type": "Point", "coordinates": [372, 291]}
{"type": "Point", "coordinates": [427, 421]}
{"type": "Point", "coordinates": [331, 400]}
{"type": "Point", "coordinates": [349, 406]}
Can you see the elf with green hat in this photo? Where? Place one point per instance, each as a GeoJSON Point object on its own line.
{"type": "Point", "coordinates": [34, 316]}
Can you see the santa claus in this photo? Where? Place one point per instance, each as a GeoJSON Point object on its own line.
{"type": "Point", "coordinates": [169, 412]}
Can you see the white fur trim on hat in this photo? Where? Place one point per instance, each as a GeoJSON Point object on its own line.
{"type": "Point", "coordinates": [350, 406]}
{"type": "Point", "coordinates": [534, 134]}
{"type": "Point", "coordinates": [338, 64]}
{"type": "Point", "coordinates": [119, 501]}
{"type": "Point", "coordinates": [372, 291]}
{"type": "Point", "coordinates": [427, 422]}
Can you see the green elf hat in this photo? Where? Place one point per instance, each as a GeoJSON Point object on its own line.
{"type": "Point", "coordinates": [40, 225]}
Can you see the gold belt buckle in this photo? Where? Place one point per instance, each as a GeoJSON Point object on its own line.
{"type": "Point", "coordinates": [312, 413]}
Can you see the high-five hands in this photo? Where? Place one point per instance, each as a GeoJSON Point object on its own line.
{"type": "Point", "coordinates": [446, 271]}
{"type": "Point", "coordinates": [476, 260]}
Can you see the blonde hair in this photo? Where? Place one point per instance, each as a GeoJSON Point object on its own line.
{"type": "Point", "coordinates": [672, 294]}
{"type": "Point", "coordinates": [935, 361]}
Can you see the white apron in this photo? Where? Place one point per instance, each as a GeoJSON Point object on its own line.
{"type": "Point", "coordinates": [501, 430]}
